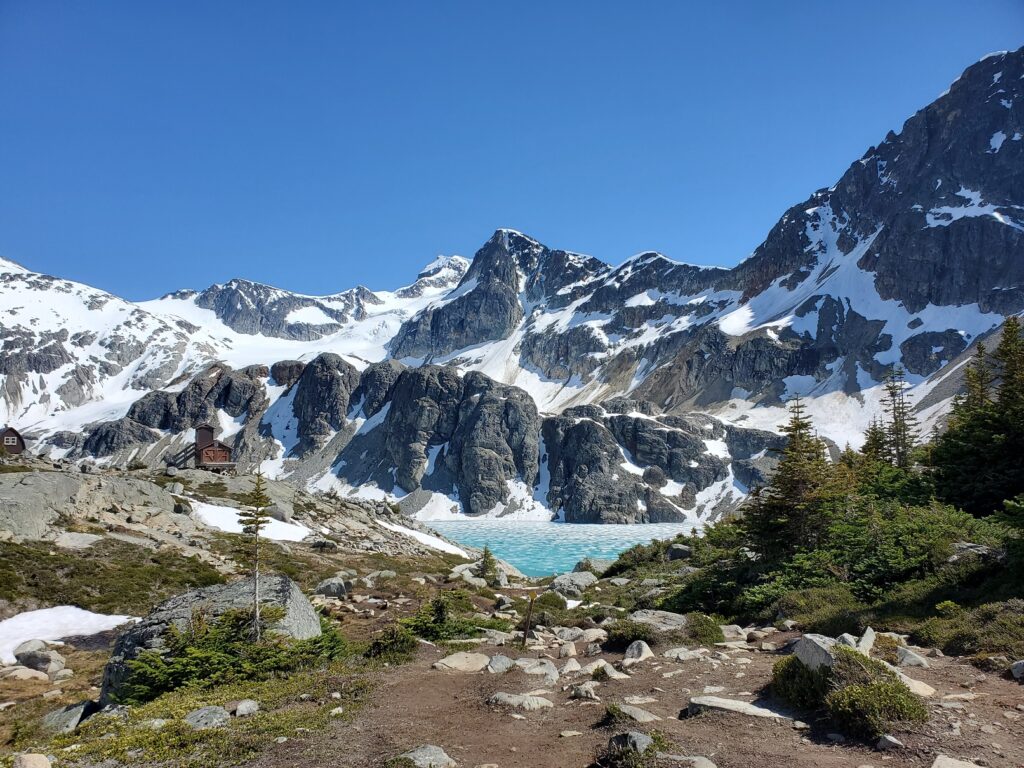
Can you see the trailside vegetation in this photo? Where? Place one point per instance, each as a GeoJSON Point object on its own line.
{"type": "Point", "coordinates": [884, 534]}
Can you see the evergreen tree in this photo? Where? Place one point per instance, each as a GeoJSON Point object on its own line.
{"type": "Point", "coordinates": [489, 567]}
{"type": "Point", "coordinates": [254, 518]}
{"type": "Point", "coordinates": [1010, 356]}
{"type": "Point", "coordinates": [901, 431]}
{"type": "Point", "coordinates": [790, 512]}
{"type": "Point", "coordinates": [978, 460]}
{"type": "Point", "coordinates": [978, 380]}
{"type": "Point", "coordinates": [876, 443]}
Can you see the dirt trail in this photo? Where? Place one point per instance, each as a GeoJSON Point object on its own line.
{"type": "Point", "coordinates": [414, 704]}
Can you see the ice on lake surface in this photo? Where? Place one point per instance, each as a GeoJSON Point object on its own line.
{"type": "Point", "coordinates": [541, 549]}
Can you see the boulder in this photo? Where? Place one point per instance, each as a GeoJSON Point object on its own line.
{"type": "Point", "coordinates": [299, 622]}
{"type": "Point", "coordinates": [463, 662]}
{"type": "Point", "coordinates": [908, 658]}
{"type": "Point", "coordinates": [944, 761]}
{"type": "Point", "coordinates": [500, 664]}
{"type": "Point", "coordinates": [429, 756]}
{"type": "Point", "coordinates": [887, 742]}
{"type": "Point", "coordinates": [335, 586]}
{"type": "Point", "coordinates": [638, 715]}
{"type": "Point", "coordinates": [66, 720]}
{"type": "Point", "coordinates": [815, 651]}
{"type": "Point", "coordinates": [630, 742]}
{"type": "Point", "coordinates": [867, 641]}
{"type": "Point", "coordinates": [638, 651]}
{"type": "Point", "coordinates": [1017, 670]}
{"type": "Point", "coordinates": [519, 701]}
{"type": "Point", "coordinates": [664, 621]}
{"type": "Point", "coordinates": [573, 584]}
{"type": "Point", "coordinates": [47, 661]}
{"type": "Point", "coordinates": [22, 673]}
{"type": "Point", "coordinates": [679, 552]}
{"type": "Point", "coordinates": [716, 703]}
{"type": "Point", "coordinates": [31, 760]}
{"type": "Point", "coordinates": [205, 718]}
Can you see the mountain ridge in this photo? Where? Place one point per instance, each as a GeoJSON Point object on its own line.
{"type": "Point", "coordinates": [915, 254]}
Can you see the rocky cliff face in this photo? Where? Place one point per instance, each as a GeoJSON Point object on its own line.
{"type": "Point", "coordinates": [495, 382]}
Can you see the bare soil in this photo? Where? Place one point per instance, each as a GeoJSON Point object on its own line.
{"type": "Point", "coordinates": [413, 704]}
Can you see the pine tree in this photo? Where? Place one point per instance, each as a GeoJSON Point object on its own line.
{"type": "Point", "coordinates": [876, 443]}
{"type": "Point", "coordinates": [978, 380]}
{"type": "Point", "coordinates": [901, 430]}
{"type": "Point", "coordinates": [790, 512]}
{"type": "Point", "coordinates": [254, 518]}
{"type": "Point", "coordinates": [977, 460]}
{"type": "Point", "coordinates": [1010, 356]}
{"type": "Point", "coordinates": [489, 567]}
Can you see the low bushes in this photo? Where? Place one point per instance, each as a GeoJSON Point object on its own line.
{"type": "Point", "coordinates": [862, 696]}
{"type": "Point", "coordinates": [828, 610]}
{"type": "Point", "coordinates": [210, 654]}
{"type": "Point", "coordinates": [870, 710]}
{"type": "Point", "coordinates": [991, 628]}
{"type": "Point", "coordinates": [624, 632]}
{"type": "Point", "coordinates": [702, 629]}
{"type": "Point", "coordinates": [393, 644]}
{"type": "Point", "coordinates": [439, 619]}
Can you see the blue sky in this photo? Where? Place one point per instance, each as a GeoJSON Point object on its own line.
{"type": "Point", "coordinates": [150, 146]}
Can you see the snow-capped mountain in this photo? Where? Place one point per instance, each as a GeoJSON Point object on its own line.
{"type": "Point", "coordinates": [534, 381]}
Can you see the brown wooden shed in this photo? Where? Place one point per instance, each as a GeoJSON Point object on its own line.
{"type": "Point", "coordinates": [212, 453]}
{"type": "Point", "coordinates": [12, 441]}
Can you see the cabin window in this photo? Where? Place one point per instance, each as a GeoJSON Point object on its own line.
{"type": "Point", "coordinates": [8, 440]}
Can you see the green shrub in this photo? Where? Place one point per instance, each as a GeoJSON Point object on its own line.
{"type": "Point", "coordinates": [438, 620]}
{"type": "Point", "coordinates": [549, 599]}
{"type": "Point", "coordinates": [394, 643]}
{"type": "Point", "coordinates": [794, 683]}
{"type": "Point", "coordinates": [702, 629]}
{"type": "Point", "coordinates": [871, 709]}
{"type": "Point", "coordinates": [624, 632]}
{"type": "Point", "coordinates": [208, 654]}
{"type": "Point", "coordinates": [863, 697]}
{"type": "Point", "coordinates": [886, 648]}
{"type": "Point", "coordinates": [947, 609]}
{"type": "Point", "coordinates": [600, 674]}
{"type": "Point", "coordinates": [828, 610]}
{"type": "Point", "coordinates": [989, 628]}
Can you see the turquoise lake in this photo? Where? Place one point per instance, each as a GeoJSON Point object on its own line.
{"type": "Point", "coordinates": [541, 549]}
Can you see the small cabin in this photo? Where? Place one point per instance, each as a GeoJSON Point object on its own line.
{"type": "Point", "coordinates": [12, 441]}
{"type": "Point", "coordinates": [210, 452]}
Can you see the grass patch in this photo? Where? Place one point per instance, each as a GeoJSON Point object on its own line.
{"type": "Point", "coordinates": [109, 577]}
{"type": "Point", "coordinates": [282, 713]}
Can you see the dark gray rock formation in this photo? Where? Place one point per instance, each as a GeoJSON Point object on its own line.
{"type": "Point", "coordinates": [322, 396]}
{"type": "Point", "coordinates": [299, 621]}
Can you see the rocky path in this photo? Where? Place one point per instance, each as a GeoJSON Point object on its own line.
{"type": "Point", "coordinates": [975, 716]}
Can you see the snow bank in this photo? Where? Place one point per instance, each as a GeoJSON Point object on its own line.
{"type": "Point", "coordinates": [52, 624]}
{"type": "Point", "coordinates": [226, 519]}
{"type": "Point", "coordinates": [425, 538]}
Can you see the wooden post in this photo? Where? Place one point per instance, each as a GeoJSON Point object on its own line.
{"type": "Point", "coordinates": [529, 618]}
